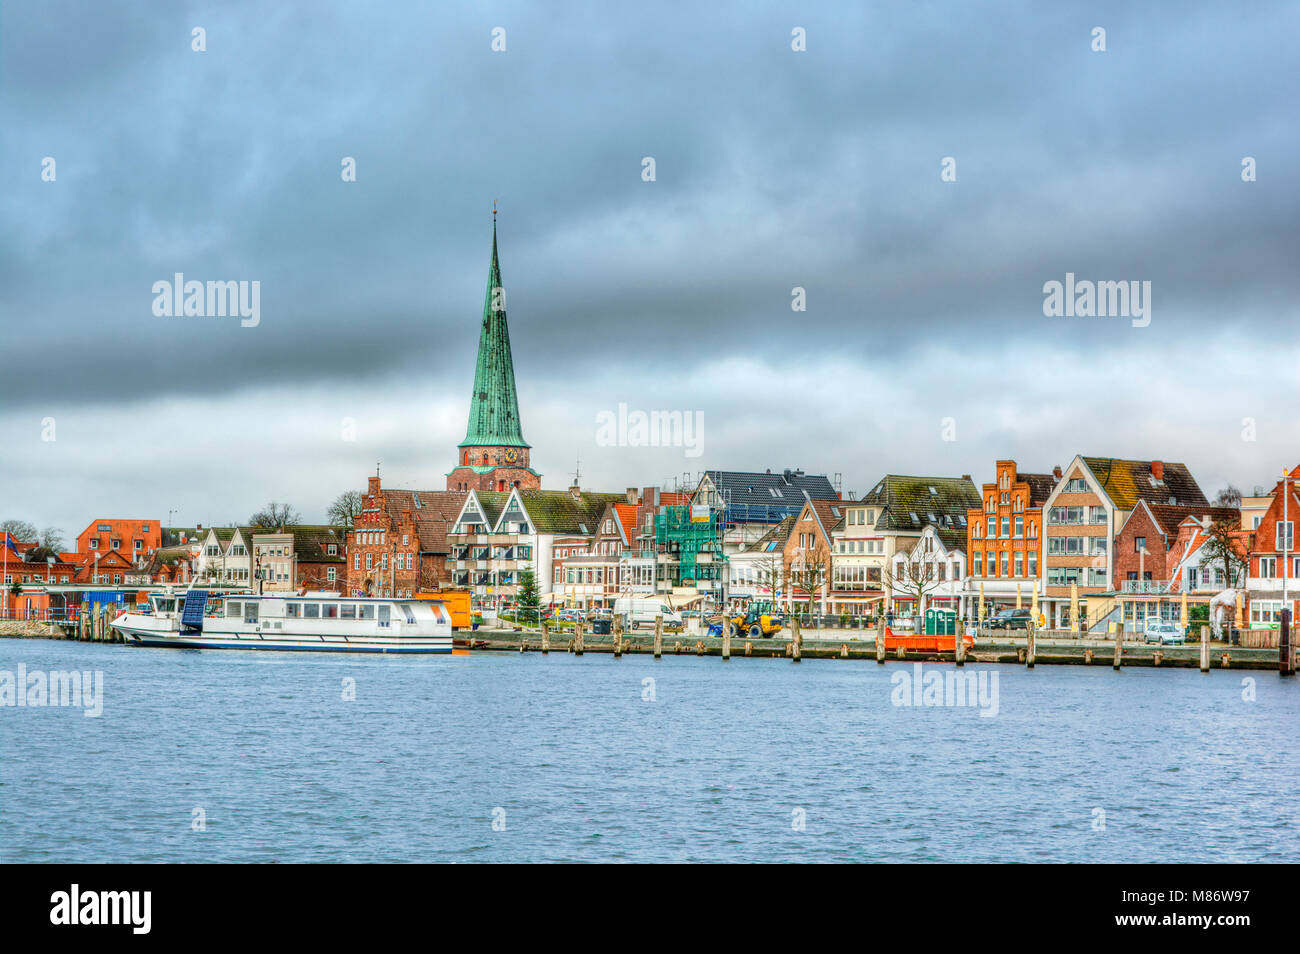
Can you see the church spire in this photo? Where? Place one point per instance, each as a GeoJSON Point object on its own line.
{"type": "Point", "coordinates": [494, 404]}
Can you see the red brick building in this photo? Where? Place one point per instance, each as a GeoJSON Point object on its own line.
{"type": "Point", "coordinates": [1004, 538]}
{"type": "Point", "coordinates": [398, 543]}
{"type": "Point", "coordinates": [1274, 575]}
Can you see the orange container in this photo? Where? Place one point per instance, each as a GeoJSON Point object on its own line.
{"type": "Point", "coordinates": [457, 603]}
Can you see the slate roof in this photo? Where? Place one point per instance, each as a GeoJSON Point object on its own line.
{"type": "Point", "coordinates": [775, 538]}
{"type": "Point", "coordinates": [1169, 516]}
{"type": "Point", "coordinates": [1040, 487]}
{"type": "Point", "coordinates": [1128, 481]}
{"type": "Point", "coordinates": [909, 504]}
{"type": "Point", "coordinates": [783, 488]}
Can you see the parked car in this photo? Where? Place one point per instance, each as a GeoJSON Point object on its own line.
{"type": "Point", "coordinates": [1158, 631]}
{"type": "Point", "coordinates": [1010, 619]}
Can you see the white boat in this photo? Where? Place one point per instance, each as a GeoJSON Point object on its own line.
{"type": "Point", "coordinates": [319, 622]}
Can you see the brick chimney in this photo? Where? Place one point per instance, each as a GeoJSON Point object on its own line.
{"type": "Point", "coordinates": [632, 496]}
{"type": "Point", "coordinates": [1158, 469]}
{"type": "Point", "coordinates": [373, 486]}
{"type": "Point", "coordinates": [575, 492]}
{"type": "Point", "coordinates": [1056, 471]}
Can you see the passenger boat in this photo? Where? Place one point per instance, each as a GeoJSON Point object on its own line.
{"type": "Point", "coordinates": [319, 622]}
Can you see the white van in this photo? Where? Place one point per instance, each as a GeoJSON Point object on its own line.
{"type": "Point", "coordinates": [642, 612]}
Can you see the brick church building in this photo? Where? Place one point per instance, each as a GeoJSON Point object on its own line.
{"type": "Point", "coordinates": [494, 454]}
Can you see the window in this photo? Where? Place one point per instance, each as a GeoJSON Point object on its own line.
{"type": "Point", "coordinates": [331, 574]}
{"type": "Point", "coordinates": [1065, 516]}
{"type": "Point", "coordinates": [311, 610]}
{"type": "Point", "coordinates": [406, 539]}
{"type": "Point", "coordinates": [1076, 485]}
{"type": "Point", "coordinates": [1285, 535]}
{"type": "Point", "coordinates": [1002, 564]}
{"type": "Point", "coordinates": [293, 610]}
{"type": "Point", "coordinates": [250, 612]}
{"type": "Point", "coordinates": [1268, 567]}
{"type": "Point", "coordinates": [992, 527]}
{"type": "Point", "coordinates": [366, 611]}
{"type": "Point", "coordinates": [332, 549]}
{"type": "Point", "coordinates": [1033, 563]}
{"type": "Point", "coordinates": [356, 561]}
{"type": "Point", "coordinates": [234, 610]}
{"type": "Point", "coordinates": [1139, 544]}
{"type": "Point", "coordinates": [348, 611]}
{"type": "Point", "coordinates": [385, 612]}
{"type": "Point", "coordinates": [1020, 564]}
{"type": "Point", "coordinates": [1006, 527]}
{"type": "Point", "coordinates": [1020, 527]}
{"type": "Point", "coordinates": [329, 611]}
{"type": "Point", "coordinates": [370, 561]}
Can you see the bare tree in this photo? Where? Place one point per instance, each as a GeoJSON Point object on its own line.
{"type": "Point", "coordinates": [1229, 496]}
{"type": "Point", "coordinates": [345, 509]}
{"type": "Point", "coordinates": [1223, 549]}
{"type": "Point", "coordinates": [20, 530]}
{"type": "Point", "coordinates": [52, 540]}
{"type": "Point", "coordinates": [275, 516]}
{"type": "Point", "coordinates": [809, 573]}
{"type": "Point", "coordinates": [913, 575]}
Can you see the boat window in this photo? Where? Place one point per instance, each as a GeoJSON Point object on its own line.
{"type": "Point", "coordinates": [233, 609]}
{"type": "Point", "coordinates": [348, 611]}
{"type": "Point", "coordinates": [311, 610]}
{"type": "Point", "coordinates": [250, 612]}
{"type": "Point", "coordinates": [385, 612]}
{"type": "Point", "coordinates": [330, 610]}
{"type": "Point", "coordinates": [293, 609]}
{"type": "Point", "coordinates": [410, 614]}
{"type": "Point", "coordinates": [366, 611]}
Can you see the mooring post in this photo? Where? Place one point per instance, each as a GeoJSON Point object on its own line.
{"type": "Point", "coordinates": [959, 644]}
{"type": "Point", "coordinates": [880, 639]}
{"type": "Point", "coordinates": [546, 637]}
{"type": "Point", "coordinates": [618, 633]}
{"type": "Point", "coordinates": [577, 639]}
{"type": "Point", "coordinates": [749, 648]}
{"type": "Point", "coordinates": [726, 640]}
{"type": "Point", "coordinates": [1118, 630]}
{"type": "Point", "coordinates": [1285, 658]}
{"type": "Point", "coordinates": [1205, 648]}
{"type": "Point", "coordinates": [796, 645]}
{"type": "Point", "coordinates": [659, 636]}
{"type": "Point", "coordinates": [1030, 644]}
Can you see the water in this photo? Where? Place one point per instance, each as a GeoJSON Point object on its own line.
{"type": "Point", "coordinates": [580, 767]}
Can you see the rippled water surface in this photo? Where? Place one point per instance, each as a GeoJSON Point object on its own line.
{"type": "Point", "coordinates": [582, 759]}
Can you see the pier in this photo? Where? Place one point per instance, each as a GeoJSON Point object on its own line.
{"type": "Point", "coordinates": [1042, 649]}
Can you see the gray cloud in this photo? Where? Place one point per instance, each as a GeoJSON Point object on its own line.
{"type": "Point", "coordinates": [775, 169]}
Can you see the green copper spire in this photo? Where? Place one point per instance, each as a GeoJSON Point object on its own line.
{"type": "Point", "coordinates": [494, 405]}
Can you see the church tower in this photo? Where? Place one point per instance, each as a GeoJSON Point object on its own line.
{"type": "Point", "coordinates": [494, 455]}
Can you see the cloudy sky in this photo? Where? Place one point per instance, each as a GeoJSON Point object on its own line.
{"type": "Point", "coordinates": [923, 349]}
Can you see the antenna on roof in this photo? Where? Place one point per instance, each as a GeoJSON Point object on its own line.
{"type": "Point", "coordinates": [577, 465]}
{"type": "Point", "coordinates": [376, 468]}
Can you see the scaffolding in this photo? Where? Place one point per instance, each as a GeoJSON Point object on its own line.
{"type": "Point", "coordinates": [695, 544]}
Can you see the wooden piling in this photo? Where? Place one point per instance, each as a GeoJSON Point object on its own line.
{"type": "Point", "coordinates": [1156, 657]}
{"type": "Point", "coordinates": [1119, 646]}
{"type": "Point", "coordinates": [618, 645]}
{"type": "Point", "coordinates": [699, 647]}
{"type": "Point", "coordinates": [546, 637]}
{"type": "Point", "coordinates": [749, 648]}
{"type": "Point", "coordinates": [577, 639]}
{"type": "Point", "coordinates": [726, 640]}
{"type": "Point", "coordinates": [659, 636]}
{"type": "Point", "coordinates": [959, 646]}
{"type": "Point", "coordinates": [844, 650]}
{"type": "Point", "coordinates": [1087, 657]}
{"type": "Point", "coordinates": [677, 647]}
{"type": "Point", "coordinates": [1205, 649]}
{"type": "Point", "coordinates": [880, 639]}
{"type": "Point", "coordinates": [1285, 658]}
{"type": "Point", "coordinates": [1030, 644]}
{"type": "Point", "coordinates": [796, 646]}
{"type": "Point", "coordinates": [1225, 660]}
